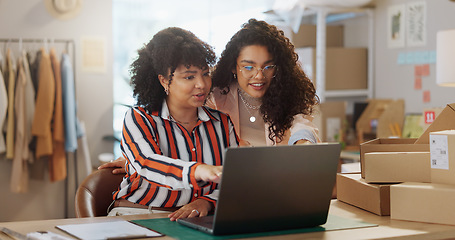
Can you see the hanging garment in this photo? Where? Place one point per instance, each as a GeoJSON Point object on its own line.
{"type": "Point", "coordinates": [3, 68]}
{"type": "Point", "coordinates": [3, 109]}
{"type": "Point", "coordinates": [19, 173]}
{"type": "Point", "coordinates": [2, 62]}
{"type": "Point", "coordinates": [44, 107]}
{"type": "Point", "coordinates": [10, 124]}
{"type": "Point", "coordinates": [30, 107]}
{"type": "Point", "coordinates": [3, 128]}
{"type": "Point", "coordinates": [72, 128]}
{"type": "Point", "coordinates": [57, 163]}
{"type": "Point", "coordinates": [34, 65]}
{"type": "Point", "coordinates": [24, 108]}
{"type": "Point", "coordinates": [37, 170]}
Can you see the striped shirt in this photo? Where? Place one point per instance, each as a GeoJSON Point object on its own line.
{"type": "Point", "coordinates": [162, 156]}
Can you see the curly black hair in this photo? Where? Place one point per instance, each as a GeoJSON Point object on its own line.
{"type": "Point", "coordinates": [168, 49]}
{"type": "Point", "coordinates": [290, 93]}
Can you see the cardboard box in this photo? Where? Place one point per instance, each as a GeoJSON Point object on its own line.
{"type": "Point", "coordinates": [375, 198]}
{"type": "Point", "coordinates": [395, 167]}
{"type": "Point", "coordinates": [390, 145]}
{"type": "Point", "coordinates": [423, 202]}
{"type": "Point", "coordinates": [306, 36]}
{"type": "Point", "coordinates": [442, 149]}
{"type": "Point", "coordinates": [346, 68]}
{"type": "Point", "coordinates": [428, 116]}
{"type": "Point", "coordinates": [444, 121]}
{"type": "Point", "coordinates": [330, 117]}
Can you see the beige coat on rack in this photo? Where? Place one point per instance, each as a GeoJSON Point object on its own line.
{"type": "Point", "coordinates": [25, 109]}
{"type": "Point", "coordinates": [19, 176]}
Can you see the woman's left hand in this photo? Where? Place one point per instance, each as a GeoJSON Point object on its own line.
{"type": "Point", "coordinates": [197, 208]}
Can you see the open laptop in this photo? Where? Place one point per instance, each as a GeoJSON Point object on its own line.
{"type": "Point", "coordinates": [272, 188]}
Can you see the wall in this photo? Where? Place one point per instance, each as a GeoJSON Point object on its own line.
{"type": "Point", "coordinates": [394, 80]}
{"type": "Point", "coordinates": [30, 19]}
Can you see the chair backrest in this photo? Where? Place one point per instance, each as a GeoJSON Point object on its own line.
{"type": "Point", "coordinates": [94, 195]}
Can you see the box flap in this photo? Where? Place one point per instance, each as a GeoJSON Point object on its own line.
{"type": "Point", "coordinates": [444, 121]}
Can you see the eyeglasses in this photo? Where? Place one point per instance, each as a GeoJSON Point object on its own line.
{"type": "Point", "coordinates": [250, 72]}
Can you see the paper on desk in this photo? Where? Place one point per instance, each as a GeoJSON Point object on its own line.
{"type": "Point", "coordinates": [44, 235]}
{"type": "Point", "coordinates": [108, 230]}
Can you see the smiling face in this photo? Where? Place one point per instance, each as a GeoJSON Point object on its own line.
{"type": "Point", "coordinates": [189, 87]}
{"type": "Point", "coordinates": [258, 57]}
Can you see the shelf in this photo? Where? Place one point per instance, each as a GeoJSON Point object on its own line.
{"type": "Point", "coordinates": [309, 15]}
{"type": "Point", "coordinates": [321, 16]}
{"type": "Point", "coordinates": [348, 93]}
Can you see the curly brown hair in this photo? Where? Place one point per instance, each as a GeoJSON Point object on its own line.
{"type": "Point", "coordinates": [290, 93]}
{"type": "Point", "coordinates": [168, 49]}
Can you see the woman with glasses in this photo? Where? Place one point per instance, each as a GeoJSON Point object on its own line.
{"type": "Point", "coordinates": [260, 85]}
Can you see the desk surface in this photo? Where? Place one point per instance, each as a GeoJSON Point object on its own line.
{"type": "Point", "coordinates": [387, 228]}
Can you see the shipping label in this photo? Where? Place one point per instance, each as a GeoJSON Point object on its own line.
{"type": "Point", "coordinates": [439, 152]}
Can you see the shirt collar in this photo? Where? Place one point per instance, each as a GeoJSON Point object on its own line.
{"type": "Point", "coordinates": [203, 114]}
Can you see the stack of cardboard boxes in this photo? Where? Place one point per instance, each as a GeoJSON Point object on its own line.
{"type": "Point", "coordinates": [434, 200]}
{"type": "Point", "coordinates": [408, 179]}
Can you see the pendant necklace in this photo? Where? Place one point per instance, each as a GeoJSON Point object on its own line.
{"type": "Point", "coordinates": [248, 106]}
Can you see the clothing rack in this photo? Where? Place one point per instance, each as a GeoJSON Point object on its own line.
{"type": "Point", "coordinates": [69, 45]}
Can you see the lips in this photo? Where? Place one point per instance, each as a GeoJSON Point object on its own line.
{"type": "Point", "coordinates": [200, 96]}
{"type": "Point", "coordinates": [257, 86]}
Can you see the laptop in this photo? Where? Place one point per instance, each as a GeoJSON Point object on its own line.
{"type": "Point", "coordinates": [272, 188]}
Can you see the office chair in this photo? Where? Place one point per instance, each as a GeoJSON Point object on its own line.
{"type": "Point", "coordinates": [94, 195]}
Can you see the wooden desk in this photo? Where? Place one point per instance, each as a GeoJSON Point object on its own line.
{"type": "Point", "coordinates": [387, 228]}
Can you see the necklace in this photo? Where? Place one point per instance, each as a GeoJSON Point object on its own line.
{"type": "Point", "coordinates": [248, 106]}
{"type": "Point", "coordinates": [180, 121]}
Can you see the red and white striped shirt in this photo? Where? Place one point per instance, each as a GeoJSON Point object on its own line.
{"type": "Point", "coordinates": [162, 156]}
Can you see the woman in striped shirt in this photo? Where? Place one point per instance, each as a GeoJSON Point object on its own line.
{"type": "Point", "coordinates": [173, 144]}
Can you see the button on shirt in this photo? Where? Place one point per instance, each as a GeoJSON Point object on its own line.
{"type": "Point", "coordinates": [162, 156]}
